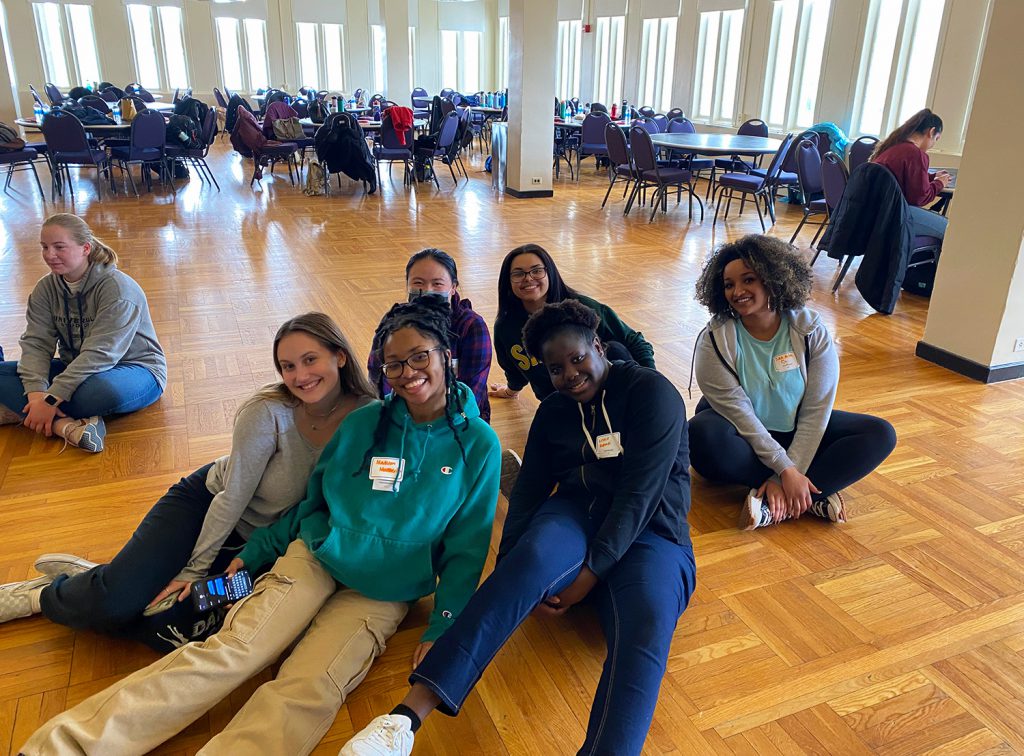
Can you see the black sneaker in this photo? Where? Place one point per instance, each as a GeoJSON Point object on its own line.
{"type": "Point", "coordinates": [831, 508]}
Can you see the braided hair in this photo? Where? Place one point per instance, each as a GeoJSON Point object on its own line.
{"type": "Point", "coordinates": [431, 317]}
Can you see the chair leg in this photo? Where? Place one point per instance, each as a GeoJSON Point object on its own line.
{"type": "Point", "coordinates": [799, 226]}
{"type": "Point", "coordinates": [817, 234]}
{"type": "Point", "coordinates": [842, 273]}
{"type": "Point", "coordinates": [656, 199]}
{"type": "Point", "coordinates": [35, 173]}
{"type": "Point", "coordinates": [760, 215]}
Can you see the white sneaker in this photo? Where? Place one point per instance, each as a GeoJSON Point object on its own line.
{"type": "Point", "coordinates": [389, 735]}
{"type": "Point", "coordinates": [16, 599]}
{"type": "Point", "coordinates": [511, 463]}
{"type": "Point", "coordinates": [831, 508]}
{"type": "Point", "coordinates": [754, 513]}
{"type": "Point", "coordinates": [87, 434]}
{"type": "Point", "coordinates": [53, 565]}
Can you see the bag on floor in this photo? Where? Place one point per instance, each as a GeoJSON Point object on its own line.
{"type": "Point", "coordinates": [316, 180]}
{"type": "Point", "coordinates": [9, 139]}
{"type": "Point", "coordinates": [288, 129]}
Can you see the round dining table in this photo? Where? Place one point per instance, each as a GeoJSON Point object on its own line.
{"type": "Point", "coordinates": [417, 124]}
{"type": "Point", "coordinates": [31, 124]}
{"type": "Point", "coordinates": [717, 144]}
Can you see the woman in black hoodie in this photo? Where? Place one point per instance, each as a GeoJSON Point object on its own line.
{"type": "Point", "coordinates": [613, 440]}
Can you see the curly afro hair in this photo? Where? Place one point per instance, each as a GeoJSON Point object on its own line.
{"type": "Point", "coordinates": [552, 319]}
{"type": "Point", "coordinates": [785, 274]}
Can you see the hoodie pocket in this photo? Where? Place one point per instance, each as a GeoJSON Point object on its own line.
{"type": "Point", "coordinates": [386, 568]}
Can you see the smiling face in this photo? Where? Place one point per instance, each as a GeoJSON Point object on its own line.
{"type": "Point", "coordinates": [529, 288]}
{"type": "Point", "coordinates": [427, 274]}
{"type": "Point", "coordinates": [308, 368]}
{"type": "Point", "coordinates": [744, 291]}
{"type": "Point", "coordinates": [423, 388]}
{"type": "Point", "coordinates": [576, 364]}
{"type": "Point", "coordinates": [62, 254]}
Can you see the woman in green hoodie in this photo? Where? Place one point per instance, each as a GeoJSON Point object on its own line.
{"type": "Point", "coordinates": [400, 506]}
{"type": "Point", "coordinates": [97, 319]}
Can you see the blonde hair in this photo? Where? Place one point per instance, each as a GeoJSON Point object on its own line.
{"type": "Point", "coordinates": [81, 234]}
{"type": "Point", "coordinates": [322, 328]}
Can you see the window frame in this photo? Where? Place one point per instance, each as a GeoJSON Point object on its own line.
{"type": "Point", "coordinates": [608, 88]}
{"type": "Point", "coordinates": [570, 39]}
{"type": "Point", "coordinates": [73, 74]}
{"type": "Point", "coordinates": [504, 48]}
{"type": "Point", "coordinates": [460, 84]}
{"type": "Point", "coordinates": [320, 35]}
{"type": "Point", "coordinates": [717, 114]}
{"type": "Point", "coordinates": [798, 63]}
{"type": "Point", "coordinates": [157, 34]}
{"type": "Point", "coordinates": [654, 85]}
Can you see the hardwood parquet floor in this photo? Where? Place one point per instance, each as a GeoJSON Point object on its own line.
{"type": "Point", "coordinates": [901, 632]}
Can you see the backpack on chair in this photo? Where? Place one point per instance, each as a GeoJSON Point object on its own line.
{"type": "Point", "coordinates": [182, 131]}
{"type": "Point", "coordinates": [316, 180]}
{"type": "Point", "coordinates": [318, 111]}
{"type": "Point", "coordinates": [9, 139]}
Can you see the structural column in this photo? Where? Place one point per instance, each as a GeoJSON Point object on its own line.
{"type": "Point", "coordinates": [976, 315]}
{"type": "Point", "coordinates": [533, 29]}
{"type": "Point", "coordinates": [396, 28]}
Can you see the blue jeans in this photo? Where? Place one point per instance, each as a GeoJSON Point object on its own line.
{"type": "Point", "coordinates": [118, 391]}
{"type": "Point", "coordinates": [638, 606]}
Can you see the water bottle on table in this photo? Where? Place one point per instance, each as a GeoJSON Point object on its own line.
{"type": "Point", "coordinates": [115, 109]}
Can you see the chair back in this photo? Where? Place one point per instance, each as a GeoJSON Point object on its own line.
{"type": "Point", "coordinates": [642, 149]}
{"type": "Point", "coordinates": [176, 98]}
{"type": "Point", "coordinates": [596, 107]}
{"type": "Point", "coordinates": [276, 110]}
{"type": "Point", "coordinates": [449, 128]}
{"type": "Point", "coordinates": [789, 164]}
{"type": "Point", "coordinates": [447, 106]}
{"type": "Point", "coordinates": [649, 125]}
{"type": "Point", "coordinates": [149, 130]}
{"type": "Point", "coordinates": [358, 94]}
{"type": "Point", "coordinates": [674, 113]}
{"type": "Point", "coordinates": [592, 130]}
{"type": "Point", "coordinates": [446, 92]}
{"type": "Point", "coordinates": [63, 133]}
{"type": "Point", "coordinates": [301, 107]}
{"type": "Point", "coordinates": [137, 90]}
{"type": "Point", "coordinates": [95, 101]}
{"type": "Point", "coordinates": [109, 95]}
{"type": "Point", "coordinates": [35, 95]}
{"type": "Point", "coordinates": [209, 127]}
{"type": "Point", "coordinates": [662, 121]}
{"type": "Point", "coordinates": [861, 150]}
{"type": "Point", "coordinates": [615, 140]}
{"type": "Point", "coordinates": [53, 94]}
{"type": "Point", "coordinates": [681, 125]}
{"type": "Point", "coordinates": [219, 97]}
{"type": "Point", "coordinates": [753, 127]}
{"type": "Point", "coordinates": [833, 179]}
{"type": "Point", "coordinates": [808, 169]}
{"type": "Point", "coordinates": [420, 98]}
{"type": "Point", "coordinates": [389, 137]}
{"type": "Point", "coordinates": [647, 111]}
{"type": "Point", "coordinates": [775, 166]}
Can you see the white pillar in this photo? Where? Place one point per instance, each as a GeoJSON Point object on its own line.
{"type": "Point", "coordinates": [976, 314]}
{"type": "Point", "coordinates": [531, 89]}
{"type": "Point", "coordinates": [396, 29]}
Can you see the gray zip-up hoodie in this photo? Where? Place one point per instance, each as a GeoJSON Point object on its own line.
{"type": "Point", "coordinates": [106, 323]}
{"type": "Point", "coordinates": [718, 380]}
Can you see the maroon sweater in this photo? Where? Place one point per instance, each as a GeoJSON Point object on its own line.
{"type": "Point", "coordinates": [909, 164]}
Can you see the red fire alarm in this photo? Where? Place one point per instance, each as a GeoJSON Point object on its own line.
{"type": "Point", "coordinates": [586, 28]}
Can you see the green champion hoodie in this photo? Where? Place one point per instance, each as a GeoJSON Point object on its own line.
{"type": "Point", "coordinates": [429, 533]}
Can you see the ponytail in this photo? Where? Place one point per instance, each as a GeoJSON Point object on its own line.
{"type": "Point", "coordinates": [921, 122]}
{"type": "Point", "coordinates": [80, 233]}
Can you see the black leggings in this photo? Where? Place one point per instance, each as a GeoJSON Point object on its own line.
{"type": "Point", "coordinates": [853, 445]}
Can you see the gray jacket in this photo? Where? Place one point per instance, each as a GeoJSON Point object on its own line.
{"type": "Point", "coordinates": [107, 323]}
{"type": "Point", "coordinates": [718, 380]}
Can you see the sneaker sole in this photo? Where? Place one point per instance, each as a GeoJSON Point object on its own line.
{"type": "Point", "coordinates": [92, 441]}
{"type": "Point", "coordinates": [750, 514]}
{"type": "Point", "coordinates": [62, 564]}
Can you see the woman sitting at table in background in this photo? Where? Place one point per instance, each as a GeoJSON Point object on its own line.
{"type": "Point", "coordinates": [528, 280]}
{"type": "Point", "coordinates": [905, 153]}
{"type": "Point", "coordinates": [432, 271]}
{"type": "Point", "coordinates": [204, 520]}
{"type": "Point", "coordinates": [97, 319]}
{"type": "Point", "coordinates": [769, 373]}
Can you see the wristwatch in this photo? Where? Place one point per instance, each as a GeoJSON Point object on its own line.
{"type": "Point", "coordinates": [52, 400]}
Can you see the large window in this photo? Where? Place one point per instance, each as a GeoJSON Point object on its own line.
{"type": "Point", "coordinates": [657, 62]}
{"type": "Point", "coordinates": [157, 36]}
{"type": "Point", "coordinates": [795, 51]}
{"type": "Point", "coordinates": [379, 53]}
{"type": "Point", "coordinates": [504, 47]}
{"type": "Point", "coordinates": [897, 62]}
{"type": "Point", "coordinates": [460, 60]}
{"type": "Point", "coordinates": [67, 43]}
{"type": "Point", "coordinates": [570, 39]}
{"type": "Point", "coordinates": [412, 56]}
{"type": "Point", "coordinates": [608, 59]}
{"type": "Point", "coordinates": [718, 64]}
{"type": "Point", "coordinates": [322, 55]}
{"type": "Point", "coordinates": [243, 53]}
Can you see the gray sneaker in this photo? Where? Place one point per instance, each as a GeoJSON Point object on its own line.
{"type": "Point", "coordinates": [510, 466]}
{"type": "Point", "coordinates": [831, 508]}
{"type": "Point", "coordinates": [754, 513]}
{"type": "Point", "coordinates": [16, 598]}
{"type": "Point", "coordinates": [53, 565]}
{"type": "Point", "coordinates": [87, 434]}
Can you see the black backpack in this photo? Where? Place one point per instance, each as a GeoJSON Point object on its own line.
{"type": "Point", "coordinates": [318, 111]}
{"type": "Point", "coordinates": [193, 108]}
{"type": "Point", "coordinates": [231, 116]}
{"type": "Point", "coordinates": [182, 131]}
{"type": "Point", "coordinates": [85, 114]}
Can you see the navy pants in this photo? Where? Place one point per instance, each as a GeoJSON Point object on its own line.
{"type": "Point", "coordinates": [851, 448]}
{"type": "Point", "coordinates": [118, 391]}
{"type": "Point", "coordinates": [110, 598]}
{"type": "Point", "coordinates": [638, 605]}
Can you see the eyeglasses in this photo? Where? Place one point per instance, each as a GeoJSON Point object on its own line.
{"type": "Point", "coordinates": [537, 273]}
{"type": "Point", "coordinates": [417, 361]}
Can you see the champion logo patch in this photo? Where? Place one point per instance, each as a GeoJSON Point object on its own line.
{"type": "Point", "coordinates": [446, 470]}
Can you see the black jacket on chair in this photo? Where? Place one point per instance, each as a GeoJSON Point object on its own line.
{"type": "Point", "coordinates": [341, 146]}
{"type": "Point", "coordinates": [872, 220]}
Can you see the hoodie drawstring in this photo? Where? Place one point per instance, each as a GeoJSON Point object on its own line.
{"type": "Point", "coordinates": [583, 424]}
{"type": "Point", "coordinates": [401, 455]}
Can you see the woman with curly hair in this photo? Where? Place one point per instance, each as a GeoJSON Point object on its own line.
{"type": "Point", "coordinates": [769, 372]}
{"type": "Point", "coordinates": [400, 506]}
{"type": "Point", "coordinates": [599, 512]}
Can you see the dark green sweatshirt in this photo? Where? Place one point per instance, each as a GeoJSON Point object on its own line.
{"type": "Point", "coordinates": [521, 368]}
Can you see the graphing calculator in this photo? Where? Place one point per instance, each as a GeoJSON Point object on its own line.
{"type": "Point", "coordinates": [217, 590]}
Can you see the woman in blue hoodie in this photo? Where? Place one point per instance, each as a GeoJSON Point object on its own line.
{"type": "Point", "coordinates": [769, 373]}
{"type": "Point", "coordinates": [97, 319]}
{"type": "Point", "coordinates": [599, 512]}
{"type": "Point", "coordinates": [400, 506]}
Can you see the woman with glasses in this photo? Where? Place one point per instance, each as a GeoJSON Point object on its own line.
{"type": "Point", "coordinates": [527, 281]}
{"type": "Point", "coordinates": [350, 558]}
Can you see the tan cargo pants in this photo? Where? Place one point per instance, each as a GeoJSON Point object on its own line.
{"type": "Point", "coordinates": [285, 716]}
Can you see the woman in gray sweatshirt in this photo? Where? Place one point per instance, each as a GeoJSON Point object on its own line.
{"type": "Point", "coordinates": [769, 372]}
{"type": "Point", "coordinates": [97, 320]}
{"type": "Point", "coordinates": [205, 519]}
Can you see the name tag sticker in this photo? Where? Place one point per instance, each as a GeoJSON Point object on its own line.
{"type": "Point", "coordinates": [785, 362]}
{"type": "Point", "coordinates": [384, 484]}
{"type": "Point", "coordinates": [387, 468]}
{"type": "Point", "coordinates": [609, 445]}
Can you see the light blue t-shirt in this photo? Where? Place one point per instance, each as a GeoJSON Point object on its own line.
{"type": "Point", "coordinates": [770, 375]}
